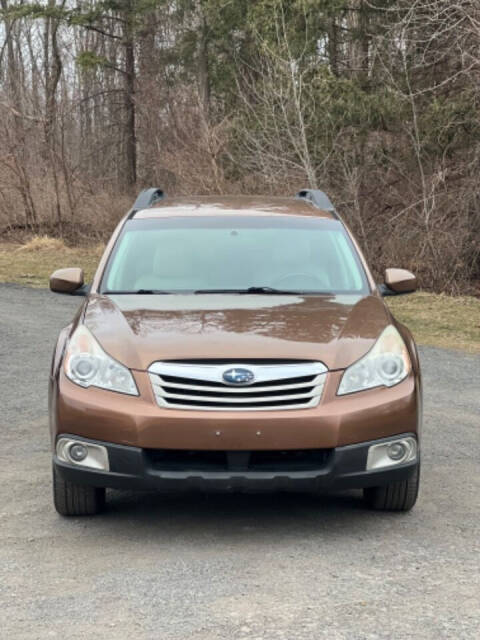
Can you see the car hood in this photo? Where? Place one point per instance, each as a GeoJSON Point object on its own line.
{"type": "Point", "coordinates": [140, 329]}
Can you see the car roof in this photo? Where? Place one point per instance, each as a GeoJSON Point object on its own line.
{"type": "Point", "coordinates": [227, 205]}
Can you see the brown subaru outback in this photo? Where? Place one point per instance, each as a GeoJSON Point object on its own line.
{"type": "Point", "coordinates": [235, 344]}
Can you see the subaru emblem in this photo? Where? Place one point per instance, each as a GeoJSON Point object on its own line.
{"type": "Point", "coordinates": [238, 376]}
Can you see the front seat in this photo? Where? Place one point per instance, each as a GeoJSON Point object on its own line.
{"type": "Point", "coordinates": [173, 269]}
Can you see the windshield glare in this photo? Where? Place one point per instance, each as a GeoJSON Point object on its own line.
{"type": "Point", "coordinates": [307, 255]}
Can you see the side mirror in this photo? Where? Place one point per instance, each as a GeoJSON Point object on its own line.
{"type": "Point", "coordinates": [67, 280]}
{"type": "Point", "coordinates": [398, 281]}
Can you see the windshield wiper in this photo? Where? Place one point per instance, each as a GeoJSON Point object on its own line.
{"type": "Point", "coordinates": [139, 292]}
{"type": "Point", "coordinates": [254, 290]}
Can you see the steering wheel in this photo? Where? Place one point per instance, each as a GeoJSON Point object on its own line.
{"type": "Point", "coordinates": [308, 281]}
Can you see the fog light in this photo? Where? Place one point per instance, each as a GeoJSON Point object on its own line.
{"type": "Point", "coordinates": [391, 453]}
{"type": "Point", "coordinates": [82, 454]}
{"type": "Point", "coordinates": [397, 451]}
{"type": "Point", "coordinates": [77, 452]}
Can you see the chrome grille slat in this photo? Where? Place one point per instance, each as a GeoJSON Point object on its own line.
{"type": "Point", "coordinates": [303, 405]}
{"type": "Point", "coordinates": [201, 387]}
{"type": "Point", "coordinates": [229, 389]}
{"type": "Point", "coordinates": [218, 385]}
{"type": "Point", "coordinates": [295, 396]}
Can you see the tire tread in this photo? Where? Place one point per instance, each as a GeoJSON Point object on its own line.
{"type": "Point", "coordinates": [397, 496]}
{"type": "Point", "coordinates": [76, 500]}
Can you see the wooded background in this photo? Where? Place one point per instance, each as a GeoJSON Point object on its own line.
{"type": "Point", "coordinates": [376, 102]}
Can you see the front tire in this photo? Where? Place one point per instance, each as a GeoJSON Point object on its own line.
{"type": "Point", "coordinates": [76, 499]}
{"type": "Point", "coordinates": [397, 496]}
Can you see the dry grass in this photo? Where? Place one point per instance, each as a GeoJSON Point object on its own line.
{"type": "Point", "coordinates": [43, 243]}
{"type": "Point", "coordinates": [32, 263]}
{"type": "Point", "coordinates": [437, 320]}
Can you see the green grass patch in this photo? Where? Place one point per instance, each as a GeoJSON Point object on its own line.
{"type": "Point", "coordinates": [31, 264]}
{"type": "Point", "coordinates": [436, 320]}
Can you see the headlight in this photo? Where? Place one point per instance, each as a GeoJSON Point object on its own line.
{"type": "Point", "coordinates": [87, 364]}
{"type": "Point", "coordinates": [386, 364]}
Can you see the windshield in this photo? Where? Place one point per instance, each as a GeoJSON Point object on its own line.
{"type": "Point", "coordinates": [227, 253]}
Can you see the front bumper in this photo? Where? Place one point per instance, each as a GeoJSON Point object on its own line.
{"type": "Point", "coordinates": [139, 421]}
{"type": "Point", "coordinates": [135, 468]}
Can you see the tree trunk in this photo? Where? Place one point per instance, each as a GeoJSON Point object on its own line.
{"type": "Point", "coordinates": [52, 72]}
{"type": "Point", "coordinates": [333, 46]}
{"type": "Point", "coordinates": [203, 71]}
{"type": "Point", "coordinates": [359, 40]}
{"type": "Point", "coordinates": [129, 90]}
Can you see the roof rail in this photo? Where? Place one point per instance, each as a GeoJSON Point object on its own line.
{"type": "Point", "coordinates": [147, 197]}
{"type": "Point", "coordinates": [317, 198]}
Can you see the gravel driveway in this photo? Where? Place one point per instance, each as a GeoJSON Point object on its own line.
{"type": "Point", "coordinates": [233, 567]}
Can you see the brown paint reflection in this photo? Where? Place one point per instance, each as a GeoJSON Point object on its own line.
{"type": "Point", "coordinates": [314, 319]}
{"type": "Point", "coordinates": [336, 330]}
{"type": "Point", "coordinates": [286, 322]}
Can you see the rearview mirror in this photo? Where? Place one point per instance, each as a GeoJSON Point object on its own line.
{"type": "Point", "coordinates": [398, 281]}
{"type": "Point", "coordinates": [66, 280]}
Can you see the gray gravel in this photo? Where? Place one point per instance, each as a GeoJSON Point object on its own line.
{"type": "Point", "coordinates": [233, 567]}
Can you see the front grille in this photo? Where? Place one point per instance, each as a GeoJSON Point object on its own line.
{"type": "Point", "coordinates": [185, 460]}
{"type": "Point", "coordinates": [196, 386]}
